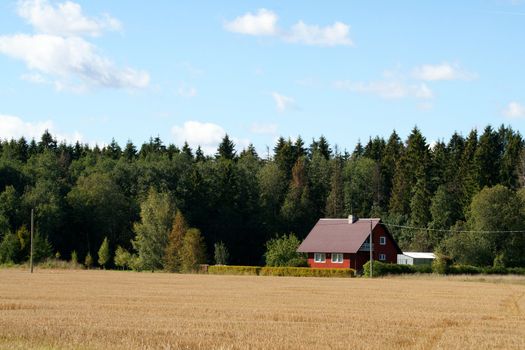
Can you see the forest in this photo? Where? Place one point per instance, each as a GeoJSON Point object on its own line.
{"type": "Point", "coordinates": [462, 197]}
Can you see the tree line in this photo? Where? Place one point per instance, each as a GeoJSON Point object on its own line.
{"type": "Point", "coordinates": [443, 197]}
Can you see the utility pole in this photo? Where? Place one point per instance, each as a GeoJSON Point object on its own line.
{"type": "Point", "coordinates": [31, 253]}
{"type": "Point", "coordinates": [371, 254]}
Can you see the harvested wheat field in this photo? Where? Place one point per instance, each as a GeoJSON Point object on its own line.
{"type": "Point", "coordinates": [126, 310]}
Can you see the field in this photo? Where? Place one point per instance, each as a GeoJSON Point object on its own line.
{"type": "Point", "coordinates": [124, 310]}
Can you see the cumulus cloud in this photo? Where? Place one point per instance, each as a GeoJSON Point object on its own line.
{"type": "Point", "coordinates": [283, 102]}
{"type": "Point", "coordinates": [264, 23]}
{"type": "Point", "coordinates": [443, 71]}
{"type": "Point", "coordinates": [206, 135]}
{"type": "Point", "coordinates": [13, 127]}
{"type": "Point", "coordinates": [66, 57]}
{"type": "Point", "coordinates": [66, 19]}
{"type": "Point", "coordinates": [59, 55]}
{"type": "Point", "coordinates": [387, 89]}
{"type": "Point", "coordinates": [334, 35]}
{"type": "Point", "coordinates": [264, 128]}
{"type": "Point", "coordinates": [514, 110]}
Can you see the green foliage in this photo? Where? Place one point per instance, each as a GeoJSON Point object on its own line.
{"type": "Point", "coordinates": [122, 258]}
{"type": "Point", "coordinates": [305, 272]}
{"type": "Point", "coordinates": [88, 261]}
{"type": "Point", "coordinates": [74, 257]}
{"type": "Point", "coordinates": [42, 249]}
{"type": "Point", "coordinates": [493, 210]}
{"type": "Point", "coordinates": [172, 258]}
{"type": "Point", "coordinates": [193, 251]}
{"type": "Point", "coordinates": [282, 251]}
{"type": "Point", "coordinates": [221, 254]}
{"type": "Point", "coordinates": [441, 264]}
{"type": "Point", "coordinates": [10, 249]}
{"type": "Point", "coordinates": [104, 256]}
{"type": "Point", "coordinates": [382, 269]}
{"type": "Point", "coordinates": [233, 270]}
{"type": "Point", "coordinates": [81, 194]}
{"type": "Point", "coordinates": [152, 231]}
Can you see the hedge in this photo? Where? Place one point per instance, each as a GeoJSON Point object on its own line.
{"type": "Point", "coordinates": [306, 272]}
{"type": "Point", "coordinates": [382, 269]}
{"type": "Point", "coordinates": [233, 270]}
{"type": "Point", "coordinates": [279, 271]}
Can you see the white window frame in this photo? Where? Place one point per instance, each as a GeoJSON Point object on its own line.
{"type": "Point", "coordinates": [339, 258]}
{"type": "Point", "coordinates": [382, 257]}
{"type": "Point", "coordinates": [320, 257]}
{"type": "Point", "coordinates": [382, 240]}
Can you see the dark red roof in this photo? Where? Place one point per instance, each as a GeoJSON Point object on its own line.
{"type": "Point", "coordinates": [337, 236]}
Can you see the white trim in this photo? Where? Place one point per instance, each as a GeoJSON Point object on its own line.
{"type": "Point", "coordinates": [320, 257]}
{"type": "Point", "coordinates": [339, 259]}
{"type": "Point", "coordinates": [382, 240]}
{"type": "Point", "coordinates": [382, 257]}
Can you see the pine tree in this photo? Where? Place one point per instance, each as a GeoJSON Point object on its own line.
{"type": "Point", "coordinates": [172, 258]}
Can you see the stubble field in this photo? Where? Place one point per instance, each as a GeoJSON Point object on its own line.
{"type": "Point", "coordinates": [126, 310]}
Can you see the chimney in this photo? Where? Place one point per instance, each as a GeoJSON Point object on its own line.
{"type": "Point", "coordinates": [352, 219]}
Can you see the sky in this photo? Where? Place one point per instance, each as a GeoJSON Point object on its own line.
{"type": "Point", "coordinates": [194, 70]}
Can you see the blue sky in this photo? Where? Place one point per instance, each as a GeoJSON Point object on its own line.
{"type": "Point", "coordinates": [94, 70]}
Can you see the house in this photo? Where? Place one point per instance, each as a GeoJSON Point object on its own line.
{"type": "Point", "coordinates": [415, 258]}
{"type": "Point", "coordinates": [345, 243]}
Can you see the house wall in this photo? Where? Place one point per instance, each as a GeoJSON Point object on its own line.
{"type": "Point", "coordinates": [328, 263]}
{"type": "Point", "coordinates": [389, 249]}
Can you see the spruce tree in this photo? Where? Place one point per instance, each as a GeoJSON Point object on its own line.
{"type": "Point", "coordinates": [172, 258]}
{"type": "Point", "coordinates": [226, 149]}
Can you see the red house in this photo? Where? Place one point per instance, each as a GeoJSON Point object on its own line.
{"type": "Point", "coordinates": [338, 243]}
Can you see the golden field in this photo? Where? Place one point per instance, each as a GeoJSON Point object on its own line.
{"type": "Point", "coordinates": [75, 309]}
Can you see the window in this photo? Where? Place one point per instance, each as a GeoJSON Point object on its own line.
{"type": "Point", "coordinates": [337, 257]}
{"type": "Point", "coordinates": [382, 240]}
{"type": "Point", "coordinates": [320, 257]}
{"type": "Point", "coordinates": [382, 257]}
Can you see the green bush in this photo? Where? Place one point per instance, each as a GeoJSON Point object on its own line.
{"type": "Point", "coordinates": [306, 272]}
{"type": "Point", "coordinates": [233, 270]}
{"type": "Point", "coordinates": [464, 270]}
{"type": "Point", "coordinates": [282, 251]}
{"type": "Point", "coordinates": [382, 269]}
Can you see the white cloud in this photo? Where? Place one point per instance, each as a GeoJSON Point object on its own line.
{"type": "Point", "coordinates": [264, 128]}
{"type": "Point", "coordinates": [283, 102]}
{"type": "Point", "coordinates": [58, 55]}
{"type": "Point", "coordinates": [66, 19]}
{"type": "Point", "coordinates": [206, 135]}
{"type": "Point", "coordinates": [334, 35]}
{"type": "Point", "coordinates": [69, 58]}
{"type": "Point", "coordinates": [12, 127]}
{"type": "Point", "coordinates": [514, 110]}
{"type": "Point", "coordinates": [388, 89]}
{"type": "Point", "coordinates": [262, 23]}
{"type": "Point", "coordinates": [443, 71]}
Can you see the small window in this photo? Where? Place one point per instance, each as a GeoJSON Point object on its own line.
{"type": "Point", "coordinates": [337, 257]}
{"type": "Point", "coordinates": [320, 257]}
{"type": "Point", "coordinates": [382, 257]}
{"type": "Point", "coordinates": [382, 240]}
